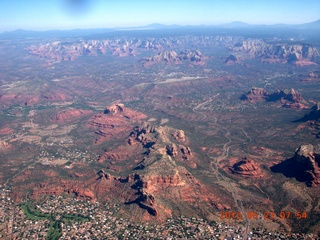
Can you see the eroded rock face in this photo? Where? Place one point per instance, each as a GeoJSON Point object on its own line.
{"type": "Point", "coordinates": [231, 59]}
{"type": "Point", "coordinates": [69, 115]}
{"type": "Point", "coordinates": [116, 120]}
{"type": "Point", "coordinates": [304, 165]}
{"type": "Point", "coordinates": [307, 157]}
{"type": "Point", "coordinates": [255, 95]}
{"type": "Point", "coordinates": [179, 136]}
{"type": "Point", "coordinates": [114, 109]}
{"type": "Point", "coordinates": [312, 77]}
{"type": "Point", "coordinates": [314, 115]}
{"type": "Point", "coordinates": [172, 150]}
{"type": "Point", "coordinates": [289, 95]}
{"type": "Point", "coordinates": [246, 167]}
{"type": "Point", "coordinates": [289, 98]}
{"type": "Point", "coordinates": [278, 52]}
{"type": "Point", "coordinates": [171, 56]}
{"type": "Point", "coordinates": [194, 56]}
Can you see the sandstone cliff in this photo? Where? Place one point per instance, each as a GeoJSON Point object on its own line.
{"type": "Point", "coordinates": [115, 121]}
{"type": "Point", "coordinates": [246, 167]}
{"type": "Point", "coordinates": [70, 115]}
{"type": "Point", "coordinates": [255, 95]}
{"type": "Point", "coordinates": [288, 98]}
{"type": "Point", "coordinates": [304, 166]}
{"type": "Point", "coordinates": [278, 52]}
{"type": "Point", "coordinates": [171, 56]}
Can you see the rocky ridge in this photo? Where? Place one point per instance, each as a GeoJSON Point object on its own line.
{"type": "Point", "coordinates": [115, 120]}
{"type": "Point", "coordinates": [278, 52]}
{"type": "Point", "coordinates": [246, 167]}
{"type": "Point", "coordinates": [307, 157]}
{"type": "Point", "coordinates": [304, 165]}
{"type": "Point", "coordinates": [155, 180]}
{"type": "Point", "coordinates": [69, 115]}
{"type": "Point", "coordinates": [288, 98]}
{"type": "Point", "coordinates": [231, 60]}
{"type": "Point", "coordinates": [312, 77]}
{"type": "Point", "coordinates": [171, 56]}
{"type": "Point", "coordinates": [70, 50]}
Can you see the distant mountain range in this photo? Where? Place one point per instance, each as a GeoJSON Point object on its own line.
{"type": "Point", "coordinates": [20, 33]}
{"type": "Point", "coordinates": [238, 24]}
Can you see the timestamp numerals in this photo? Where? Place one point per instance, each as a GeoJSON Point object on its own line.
{"type": "Point", "coordinates": [285, 215]}
{"type": "Point", "coordinates": [252, 215]}
{"type": "Point", "coordinates": [301, 215]}
{"type": "Point", "coordinates": [231, 215]}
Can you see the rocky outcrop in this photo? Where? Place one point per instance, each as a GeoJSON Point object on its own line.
{"type": "Point", "coordinates": [168, 56]}
{"type": "Point", "coordinates": [70, 115]}
{"type": "Point", "coordinates": [194, 56]}
{"type": "Point", "coordinates": [179, 136]}
{"type": "Point", "coordinates": [32, 101]}
{"type": "Point", "coordinates": [55, 96]}
{"type": "Point", "coordinates": [287, 95]}
{"type": "Point", "coordinates": [312, 77]}
{"type": "Point", "coordinates": [308, 157]}
{"type": "Point", "coordinates": [114, 109]}
{"type": "Point", "coordinates": [288, 98]}
{"type": "Point", "coordinates": [4, 144]}
{"type": "Point", "coordinates": [29, 98]}
{"type": "Point", "coordinates": [72, 49]}
{"type": "Point", "coordinates": [304, 166]}
{"type": "Point", "coordinates": [278, 52]}
{"type": "Point", "coordinates": [115, 121]}
{"type": "Point", "coordinates": [103, 176]}
{"type": "Point", "coordinates": [231, 59]}
{"type": "Point", "coordinates": [245, 167]}
{"type": "Point", "coordinates": [255, 95]}
{"type": "Point", "coordinates": [314, 115]}
{"type": "Point", "coordinates": [171, 56]}
{"type": "Point", "coordinates": [158, 138]}
{"type": "Point", "coordinates": [172, 150]}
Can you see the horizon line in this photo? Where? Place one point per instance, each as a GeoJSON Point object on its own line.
{"type": "Point", "coordinates": [159, 24]}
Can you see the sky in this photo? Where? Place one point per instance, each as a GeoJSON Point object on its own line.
{"type": "Point", "coordinates": [84, 14]}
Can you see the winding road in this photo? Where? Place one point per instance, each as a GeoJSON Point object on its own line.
{"type": "Point", "coordinates": [215, 165]}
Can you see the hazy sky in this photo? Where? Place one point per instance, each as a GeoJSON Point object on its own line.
{"type": "Point", "coordinates": [70, 14]}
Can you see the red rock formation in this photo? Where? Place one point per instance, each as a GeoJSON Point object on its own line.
{"type": "Point", "coordinates": [172, 150]}
{"type": "Point", "coordinates": [55, 96]}
{"type": "Point", "coordinates": [6, 131]}
{"type": "Point", "coordinates": [279, 52]}
{"type": "Point", "coordinates": [70, 115]}
{"type": "Point", "coordinates": [255, 95]}
{"type": "Point", "coordinates": [170, 56]}
{"type": "Point", "coordinates": [195, 57]}
{"type": "Point", "coordinates": [231, 59]}
{"type": "Point", "coordinates": [114, 109]}
{"type": "Point", "coordinates": [4, 144]}
{"type": "Point", "coordinates": [288, 98]}
{"type": "Point", "coordinates": [304, 166]}
{"type": "Point", "coordinates": [307, 157]}
{"type": "Point", "coordinates": [312, 77]}
{"type": "Point", "coordinates": [31, 101]}
{"type": "Point", "coordinates": [116, 120]}
{"type": "Point", "coordinates": [245, 167]}
{"type": "Point", "coordinates": [179, 135]}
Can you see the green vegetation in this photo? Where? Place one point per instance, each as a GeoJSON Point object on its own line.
{"type": "Point", "coordinates": [55, 230]}
{"type": "Point", "coordinates": [32, 213]}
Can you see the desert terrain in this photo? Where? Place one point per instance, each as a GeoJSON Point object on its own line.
{"type": "Point", "coordinates": [164, 126]}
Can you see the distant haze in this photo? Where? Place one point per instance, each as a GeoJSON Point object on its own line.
{"type": "Point", "coordinates": [81, 14]}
